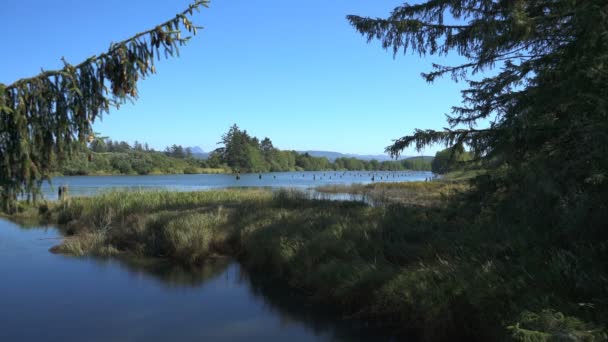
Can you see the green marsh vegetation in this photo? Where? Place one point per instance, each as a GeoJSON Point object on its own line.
{"type": "Point", "coordinates": [425, 194]}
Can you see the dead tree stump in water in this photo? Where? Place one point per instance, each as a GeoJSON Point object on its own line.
{"type": "Point", "coordinates": [63, 193]}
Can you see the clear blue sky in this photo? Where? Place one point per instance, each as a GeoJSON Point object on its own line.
{"type": "Point", "coordinates": [294, 71]}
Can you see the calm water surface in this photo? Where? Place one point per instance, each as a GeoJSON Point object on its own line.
{"type": "Point", "coordinates": [49, 297]}
{"type": "Point", "coordinates": [89, 185]}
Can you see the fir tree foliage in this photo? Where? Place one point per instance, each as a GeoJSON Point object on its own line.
{"type": "Point", "coordinates": [449, 159]}
{"type": "Point", "coordinates": [545, 101]}
{"type": "Point", "coordinates": [545, 149]}
{"type": "Point", "coordinates": [41, 116]}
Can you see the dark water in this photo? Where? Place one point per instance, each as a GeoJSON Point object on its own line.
{"type": "Point", "coordinates": [89, 185]}
{"type": "Point", "coordinates": [48, 297]}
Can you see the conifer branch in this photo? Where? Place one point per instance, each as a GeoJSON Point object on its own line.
{"type": "Point", "coordinates": [43, 118]}
{"type": "Point", "coordinates": [115, 46]}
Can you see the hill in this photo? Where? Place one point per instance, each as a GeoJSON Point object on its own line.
{"type": "Point", "coordinates": [332, 156]}
{"type": "Point", "coordinates": [198, 152]}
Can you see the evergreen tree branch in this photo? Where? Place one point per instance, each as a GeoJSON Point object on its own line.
{"type": "Point", "coordinates": [114, 47]}
{"type": "Point", "coordinates": [42, 117]}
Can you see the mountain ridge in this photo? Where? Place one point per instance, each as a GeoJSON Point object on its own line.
{"type": "Point", "coordinates": [332, 155]}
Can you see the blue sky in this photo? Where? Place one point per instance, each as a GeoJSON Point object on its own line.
{"type": "Point", "coordinates": [294, 71]}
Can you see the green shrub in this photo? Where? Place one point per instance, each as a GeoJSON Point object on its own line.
{"type": "Point", "coordinates": [549, 325]}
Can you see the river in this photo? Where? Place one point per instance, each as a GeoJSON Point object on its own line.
{"type": "Point", "coordinates": [90, 185]}
{"type": "Point", "coordinates": [50, 297]}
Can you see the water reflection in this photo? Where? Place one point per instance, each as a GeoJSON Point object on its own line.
{"type": "Point", "coordinates": [291, 307]}
{"type": "Point", "coordinates": [295, 307]}
{"type": "Point", "coordinates": [169, 274]}
{"type": "Point", "coordinates": [51, 297]}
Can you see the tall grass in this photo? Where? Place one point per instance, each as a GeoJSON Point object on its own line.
{"type": "Point", "coordinates": [425, 194]}
{"type": "Point", "coordinates": [193, 237]}
{"type": "Point", "coordinates": [116, 205]}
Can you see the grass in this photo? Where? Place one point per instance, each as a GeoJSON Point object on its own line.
{"type": "Point", "coordinates": [190, 170]}
{"type": "Point", "coordinates": [426, 194]}
{"type": "Point", "coordinates": [209, 170]}
{"type": "Point", "coordinates": [414, 265]}
{"type": "Point", "coordinates": [86, 244]}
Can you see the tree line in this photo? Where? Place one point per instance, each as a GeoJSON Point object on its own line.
{"type": "Point", "coordinates": [105, 145]}
{"type": "Point", "coordinates": [105, 156]}
{"type": "Point", "coordinates": [242, 152]}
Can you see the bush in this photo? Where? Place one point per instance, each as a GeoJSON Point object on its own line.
{"type": "Point", "coordinates": [121, 164]}
{"type": "Point", "coordinates": [191, 170]}
{"type": "Point", "coordinates": [142, 166]}
{"type": "Point", "coordinates": [549, 325]}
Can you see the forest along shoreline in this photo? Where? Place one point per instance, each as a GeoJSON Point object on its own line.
{"type": "Point", "coordinates": [240, 153]}
{"type": "Point", "coordinates": [414, 264]}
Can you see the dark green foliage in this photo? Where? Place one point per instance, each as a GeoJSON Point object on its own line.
{"type": "Point", "coordinates": [235, 152]}
{"type": "Point", "coordinates": [178, 151]}
{"type": "Point", "coordinates": [41, 117]}
{"type": "Point", "coordinates": [106, 157]}
{"type": "Point", "coordinates": [545, 149]}
{"type": "Point", "coordinates": [547, 103]}
{"type": "Point", "coordinates": [418, 163]}
{"type": "Point", "coordinates": [449, 159]}
{"type": "Point", "coordinates": [307, 162]}
{"type": "Point", "coordinates": [142, 165]}
{"type": "Point", "coordinates": [130, 162]}
{"type": "Point", "coordinates": [121, 164]}
{"type": "Point", "coordinates": [554, 326]}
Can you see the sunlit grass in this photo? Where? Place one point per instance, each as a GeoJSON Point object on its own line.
{"type": "Point", "coordinates": [406, 193]}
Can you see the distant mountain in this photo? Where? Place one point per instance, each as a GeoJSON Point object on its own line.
{"type": "Point", "coordinates": [196, 149]}
{"type": "Point", "coordinates": [332, 156]}
{"type": "Point", "coordinates": [198, 152]}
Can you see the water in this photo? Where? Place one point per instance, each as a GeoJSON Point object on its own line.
{"type": "Point", "coordinates": [44, 296]}
{"type": "Point", "coordinates": [48, 297]}
{"type": "Point", "coordinates": [90, 185]}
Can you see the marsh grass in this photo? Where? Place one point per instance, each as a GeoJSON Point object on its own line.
{"type": "Point", "coordinates": [89, 243]}
{"type": "Point", "coordinates": [425, 194]}
{"type": "Point", "coordinates": [194, 236]}
{"type": "Point", "coordinates": [423, 268]}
